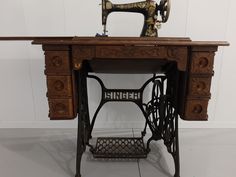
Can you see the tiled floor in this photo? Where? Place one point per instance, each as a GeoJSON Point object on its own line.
{"type": "Point", "coordinates": [51, 153]}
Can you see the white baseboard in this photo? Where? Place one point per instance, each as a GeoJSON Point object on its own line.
{"type": "Point", "coordinates": [115, 124]}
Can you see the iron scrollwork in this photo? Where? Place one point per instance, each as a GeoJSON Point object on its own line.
{"type": "Point", "coordinates": [162, 118]}
{"type": "Point", "coordinates": [160, 114]}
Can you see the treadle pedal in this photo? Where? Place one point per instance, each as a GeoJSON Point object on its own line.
{"type": "Point", "coordinates": [119, 147]}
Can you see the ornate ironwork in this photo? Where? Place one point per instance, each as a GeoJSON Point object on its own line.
{"type": "Point", "coordinates": [163, 117]}
{"type": "Point", "coordinates": [83, 118]}
{"type": "Point", "coordinates": [119, 95]}
{"type": "Point", "coordinates": [160, 114]}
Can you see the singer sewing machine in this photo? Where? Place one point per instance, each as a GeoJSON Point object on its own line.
{"type": "Point", "coordinates": [154, 14]}
{"type": "Point", "coordinates": [182, 70]}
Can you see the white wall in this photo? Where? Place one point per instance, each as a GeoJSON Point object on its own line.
{"type": "Point", "coordinates": [22, 93]}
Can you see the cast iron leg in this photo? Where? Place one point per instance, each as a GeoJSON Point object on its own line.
{"type": "Point", "coordinates": [79, 149]}
{"type": "Point", "coordinates": [93, 121]}
{"type": "Point", "coordinates": [163, 117]}
{"type": "Point", "coordinates": [148, 143]}
{"type": "Point", "coordinates": [82, 115]}
{"type": "Point", "coordinates": [85, 103]}
{"type": "Point", "coordinates": [143, 133]}
{"type": "Point", "coordinates": [176, 156]}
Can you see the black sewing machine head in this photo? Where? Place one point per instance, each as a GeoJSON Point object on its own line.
{"type": "Point", "coordinates": [154, 14]}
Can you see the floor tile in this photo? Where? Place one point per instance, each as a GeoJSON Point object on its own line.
{"type": "Point", "coordinates": [203, 153]}
{"type": "Point", "coordinates": [51, 153]}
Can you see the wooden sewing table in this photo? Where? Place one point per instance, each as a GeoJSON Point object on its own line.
{"type": "Point", "coordinates": [187, 67]}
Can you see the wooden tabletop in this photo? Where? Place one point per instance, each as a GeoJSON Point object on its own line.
{"type": "Point", "coordinates": [74, 40]}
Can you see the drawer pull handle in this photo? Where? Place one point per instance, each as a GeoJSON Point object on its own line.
{"type": "Point", "coordinates": [58, 85]}
{"type": "Point", "coordinates": [203, 62]}
{"type": "Point", "coordinates": [60, 108]}
{"type": "Point", "coordinates": [56, 61]}
{"type": "Point", "coordinates": [197, 109]}
{"type": "Point", "coordinates": [201, 86]}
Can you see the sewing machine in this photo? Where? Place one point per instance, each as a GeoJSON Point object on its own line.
{"type": "Point", "coordinates": [154, 14]}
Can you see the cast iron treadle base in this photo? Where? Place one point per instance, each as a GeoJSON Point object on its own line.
{"type": "Point", "coordinates": [119, 147]}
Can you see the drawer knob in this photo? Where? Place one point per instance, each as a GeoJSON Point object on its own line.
{"type": "Point", "coordinates": [203, 62]}
{"type": "Point", "coordinates": [58, 85]}
{"type": "Point", "coordinates": [200, 86]}
{"type": "Point", "coordinates": [60, 108]}
{"type": "Point", "coordinates": [197, 109]}
{"type": "Point", "coordinates": [56, 61]}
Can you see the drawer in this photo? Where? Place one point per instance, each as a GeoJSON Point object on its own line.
{"type": "Point", "coordinates": [199, 86]}
{"type": "Point", "coordinates": [57, 62]}
{"type": "Point", "coordinates": [61, 109]}
{"type": "Point", "coordinates": [59, 86]}
{"type": "Point", "coordinates": [196, 109]}
{"type": "Point", "coordinates": [173, 53]}
{"type": "Point", "coordinates": [130, 52]}
{"type": "Point", "coordinates": [202, 62]}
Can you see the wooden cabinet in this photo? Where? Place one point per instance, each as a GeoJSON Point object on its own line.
{"type": "Point", "coordinates": [65, 56]}
{"type": "Point", "coordinates": [60, 83]}
{"type": "Point", "coordinates": [199, 82]}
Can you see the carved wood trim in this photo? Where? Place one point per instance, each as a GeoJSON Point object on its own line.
{"type": "Point", "coordinates": [180, 55]}
{"type": "Point", "coordinates": [80, 53]}
{"type": "Point", "coordinates": [172, 53]}
{"type": "Point", "coordinates": [130, 52]}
